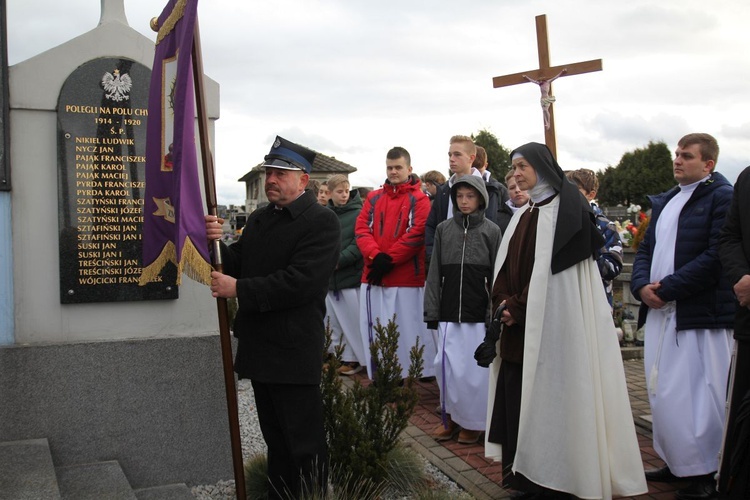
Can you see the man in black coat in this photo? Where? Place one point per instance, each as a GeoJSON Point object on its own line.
{"type": "Point", "coordinates": [734, 252]}
{"type": "Point", "coordinates": [279, 271]}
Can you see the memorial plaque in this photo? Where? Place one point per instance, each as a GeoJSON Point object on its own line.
{"type": "Point", "coordinates": [101, 116]}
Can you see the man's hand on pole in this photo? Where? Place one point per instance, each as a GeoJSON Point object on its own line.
{"type": "Point", "coordinates": [223, 285]}
{"type": "Point", "coordinates": [214, 229]}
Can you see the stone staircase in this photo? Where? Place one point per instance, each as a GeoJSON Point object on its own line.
{"type": "Point", "coordinates": [27, 472]}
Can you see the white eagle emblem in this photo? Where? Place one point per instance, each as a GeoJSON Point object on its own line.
{"type": "Point", "coordinates": [117, 86]}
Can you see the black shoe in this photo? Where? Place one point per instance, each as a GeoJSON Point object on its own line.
{"type": "Point", "coordinates": [663, 475]}
{"type": "Point", "coordinates": [702, 489]}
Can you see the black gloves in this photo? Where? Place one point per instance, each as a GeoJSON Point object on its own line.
{"type": "Point", "coordinates": [381, 265]}
{"type": "Point", "coordinates": [432, 325]}
{"type": "Point", "coordinates": [485, 353]}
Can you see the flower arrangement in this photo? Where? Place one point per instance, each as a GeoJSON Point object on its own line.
{"type": "Point", "coordinates": [627, 230]}
{"type": "Point", "coordinates": [634, 209]}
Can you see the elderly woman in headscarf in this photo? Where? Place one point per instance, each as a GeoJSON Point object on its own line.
{"type": "Point", "coordinates": [558, 412]}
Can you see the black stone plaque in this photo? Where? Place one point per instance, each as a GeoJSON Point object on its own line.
{"type": "Point", "coordinates": [101, 127]}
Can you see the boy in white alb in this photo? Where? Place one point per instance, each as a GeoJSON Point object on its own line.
{"type": "Point", "coordinates": [457, 305]}
{"type": "Point", "coordinates": [342, 301]}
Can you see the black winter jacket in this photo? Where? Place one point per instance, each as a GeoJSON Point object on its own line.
{"type": "Point", "coordinates": [702, 293]}
{"type": "Point", "coordinates": [734, 247]}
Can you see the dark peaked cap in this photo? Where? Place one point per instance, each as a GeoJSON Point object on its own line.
{"type": "Point", "coordinates": [576, 236]}
{"type": "Point", "coordinates": [287, 155]}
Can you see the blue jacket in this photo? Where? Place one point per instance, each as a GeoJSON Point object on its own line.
{"type": "Point", "coordinates": [702, 293]}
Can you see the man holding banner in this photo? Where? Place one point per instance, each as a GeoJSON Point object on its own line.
{"type": "Point", "coordinates": [279, 271]}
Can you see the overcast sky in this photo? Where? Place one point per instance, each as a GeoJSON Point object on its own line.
{"type": "Point", "coordinates": [353, 78]}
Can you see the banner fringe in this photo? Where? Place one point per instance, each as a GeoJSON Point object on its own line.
{"type": "Point", "coordinates": [193, 264]}
{"type": "Point", "coordinates": [171, 21]}
{"type": "Point", "coordinates": [150, 272]}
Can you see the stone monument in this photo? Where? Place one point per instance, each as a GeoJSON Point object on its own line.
{"type": "Point", "coordinates": [102, 370]}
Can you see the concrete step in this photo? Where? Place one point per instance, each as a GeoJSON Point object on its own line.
{"type": "Point", "coordinates": [94, 482]}
{"type": "Point", "coordinates": [27, 471]}
{"type": "Point", "coordinates": [167, 492]}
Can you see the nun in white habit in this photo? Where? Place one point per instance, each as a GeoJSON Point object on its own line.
{"type": "Point", "coordinates": [558, 413]}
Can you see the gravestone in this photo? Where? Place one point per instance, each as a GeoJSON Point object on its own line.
{"type": "Point", "coordinates": [102, 114]}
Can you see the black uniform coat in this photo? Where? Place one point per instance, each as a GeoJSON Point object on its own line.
{"type": "Point", "coordinates": [734, 252]}
{"type": "Point", "coordinates": [282, 264]}
{"type": "Point", "coordinates": [734, 246]}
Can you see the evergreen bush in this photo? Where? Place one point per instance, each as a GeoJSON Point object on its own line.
{"type": "Point", "coordinates": [363, 424]}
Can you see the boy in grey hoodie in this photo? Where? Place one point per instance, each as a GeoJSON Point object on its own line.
{"type": "Point", "coordinates": [457, 304]}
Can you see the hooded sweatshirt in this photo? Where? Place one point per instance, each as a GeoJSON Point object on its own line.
{"type": "Point", "coordinates": [458, 284]}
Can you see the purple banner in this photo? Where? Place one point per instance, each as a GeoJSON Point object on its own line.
{"type": "Point", "coordinates": [173, 225]}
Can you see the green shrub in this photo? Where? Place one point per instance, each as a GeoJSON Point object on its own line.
{"type": "Point", "coordinates": [405, 470]}
{"type": "Point", "coordinates": [363, 424]}
{"type": "Point", "coordinates": [256, 477]}
{"type": "Point", "coordinates": [256, 485]}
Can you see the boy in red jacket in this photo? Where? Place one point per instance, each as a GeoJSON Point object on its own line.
{"type": "Point", "coordinates": [390, 235]}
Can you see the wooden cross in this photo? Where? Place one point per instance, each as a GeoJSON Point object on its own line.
{"type": "Point", "coordinates": [545, 74]}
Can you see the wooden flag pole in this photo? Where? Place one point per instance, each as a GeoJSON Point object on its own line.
{"type": "Point", "coordinates": [221, 303]}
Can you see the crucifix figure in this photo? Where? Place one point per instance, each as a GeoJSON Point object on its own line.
{"type": "Point", "coordinates": [547, 99]}
{"type": "Point", "coordinates": [543, 78]}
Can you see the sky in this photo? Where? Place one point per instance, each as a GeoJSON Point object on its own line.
{"type": "Point", "coordinates": [353, 78]}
